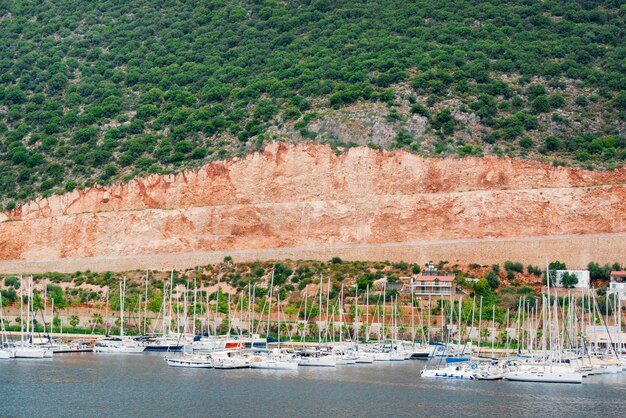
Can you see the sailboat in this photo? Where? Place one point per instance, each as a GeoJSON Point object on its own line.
{"type": "Point", "coordinates": [5, 351]}
{"type": "Point", "coordinates": [277, 359]}
{"type": "Point", "coordinates": [548, 369]}
{"type": "Point", "coordinates": [319, 357]}
{"type": "Point", "coordinates": [119, 344]}
{"type": "Point", "coordinates": [167, 341]}
{"type": "Point", "coordinates": [25, 349]}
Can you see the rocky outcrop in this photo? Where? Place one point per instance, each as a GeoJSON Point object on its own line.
{"type": "Point", "coordinates": [308, 196]}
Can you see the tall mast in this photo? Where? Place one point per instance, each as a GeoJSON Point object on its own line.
{"type": "Point", "coordinates": [507, 329]}
{"type": "Point", "coordinates": [253, 304]}
{"type": "Point", "coordinates": [106, 321]}
{"type": "Point", "coordinates": [229, 327]}
{"type": "Point", "coordinates": [429, 316]}
{"type": "Point", "coordinates": [249, 311]}
{"type": "Point", "coordinates": [341, 315]}
{"type": "Point", "coordinates": [122, 309]}
{"type": "Point", "coordinates": [356, 317]}
{"type": "Point", "coordinates": [240, 313]}
{"type": "Point", "coordinates": [319, 314]}
{"type": "Point", "coordinates": [28, 308]}
{"type": "Point", "coordinates": [208, 319]}
{"type": "Point", "coordinates": [164, 307]}
{"type": "Point", "coordinates": [145, 306]}
{"type": "Point", "coordinates": [195, 300]}
{"type": "Point", "coordinates": [367, 313]}
{"type": "Point", "coordinates": [51, 314]}
{"type": "Point", "coordinates": [412, 318]}
{"type": "Point", "coordinates": [459, 318]}
{"type": "Point", "coordinates": [619, 322]}
{"type": "Point", "coordinates": [169, 319]}
{"type": "Point", "coordinates": [306, 297]}
{"type": "Point", "coordinates": [21, 311]}
{"type": "Point", "coordinates": [549, 309]}
{"type": "Point", "coordinates": [2, 330]}
{"type": "Point", "coordinates": [480, 320]}
{"type": "Point", "coordinates": [327, 322]}
{"type": "Point", "coordinates": [493, 326]}
{"type": "Point", "coordinates": [185, 309]}
{"type": "Point", "coordinates": [269, 311]}
{"type": "Point", "coordinates": [278, 317]}
{"type": "Point", "coordinates": [384, 310]}
{"type": "Point", "coordinates": [45, 304]}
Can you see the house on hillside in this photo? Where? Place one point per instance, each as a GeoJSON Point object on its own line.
{"type": "Point", "coordinates": [431, 283]}
{"type": "Point", "coordinates": [618, 284]}
{"type": "Point", "coordinates": [582, 276]}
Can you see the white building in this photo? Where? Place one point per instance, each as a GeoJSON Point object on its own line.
{"type": "Point", "coordinates": [600, 337]}
{"type": "Point", "coordinates": [431, 283]}
{"type": "Point", "coordinates": [618, 284]}
{"type": "Point", "coordinates": [432, 286]}
{"type": "Point", "coordinates": [581, 275]}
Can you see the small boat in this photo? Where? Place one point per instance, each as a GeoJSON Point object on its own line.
{"type": "Point", "coordinates": [29, 352]}
{"type": "Point", "coordinates": [397, 356]}
{"type": "Point", "coordinates": [492, 372]}
{"type": "Point", "coordinates": [231, 363]}
{"type": "Point", "coordinates": [382, 356]}
{"type": "Point", "coordinates": [166, 343]}
{"type": "Point", "coordinates": [118, 345]}
{"type": "Point", "coordinates": [318, 361]}
{"type": "Point", "coordinates": [230, 359]}
{"type": "Point", "coordinates": [420, 355]}
{"type": "Point", "coordinates": [193, 362]}
{"type": "Point", "coordinates": [274, 364]}
{"type": "Point", "coordinates": [346, 360]}
{"type": "Point", "coordinates": [75, 347]}
{"type": "Point", "coordinates": [6, 354]}
{"type": "Point", "coordinates": [278, 359]}
{"type": "Point", "coordinates": [541, 375]}
{"type": "Point", "coordinates": [364, 358]}
{"type": "Point", "coordinates": [457, 372]}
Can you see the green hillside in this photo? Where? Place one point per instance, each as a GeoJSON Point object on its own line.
{"type": "Point", "coordinates": [102, 91]}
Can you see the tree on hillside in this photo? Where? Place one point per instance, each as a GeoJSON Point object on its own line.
{"type": "Point", "coordinates": [597, 272]}
{"type": "Point", "coordinates": [569, 280]}
{"type": "Point", "coordinates": [74, 321]}
{"type": "Point", "coordinates": [552, 268]}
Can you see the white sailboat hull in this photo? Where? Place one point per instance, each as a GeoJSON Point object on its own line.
{"type": "Point", "coordinates": [121, 350]}
{"type": "Point", "coordinates": [365, 359]}
{"type": "Point", "coordinates": [231, 363]}
{"type": "Point", "coordinates": [318, 361]}
{"type": "Point", "coordinates": [448, 374]}
{"type": "Point", "coordinates": [29, 353]}
{"type": "Point", "coordinates": [275, 365]}
{"type": "Point", "coordinates": [5, 355]}
{"type": "Point", "coordinates": [382, 357]}
{"type": "Point", "coordinates": [189, 363]}
{"type": "Point", "coordinates": [544, 377]}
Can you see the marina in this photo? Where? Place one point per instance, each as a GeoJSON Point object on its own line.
{"type": "Point", "coordinates": [143, 385]}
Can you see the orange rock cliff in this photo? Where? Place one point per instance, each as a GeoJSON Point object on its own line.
{"type": "Point", "coordinates": [305, 201]}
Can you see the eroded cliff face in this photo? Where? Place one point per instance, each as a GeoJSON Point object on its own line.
{"type": "Point", "coordinates": [306, 196]}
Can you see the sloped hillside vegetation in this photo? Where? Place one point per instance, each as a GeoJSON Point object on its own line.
{"type": "Point", "coordinates": [102, 91]}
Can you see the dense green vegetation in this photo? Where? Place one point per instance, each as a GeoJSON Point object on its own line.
{"type": "Point", "coordinates": [95, 92]}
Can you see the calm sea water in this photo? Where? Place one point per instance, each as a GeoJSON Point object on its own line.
{"type": "Point", "coordinates": [142, 385]}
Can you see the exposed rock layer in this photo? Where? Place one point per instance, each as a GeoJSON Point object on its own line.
{"type": "Point", "coordinates": [306, 197]}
